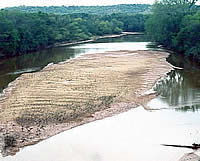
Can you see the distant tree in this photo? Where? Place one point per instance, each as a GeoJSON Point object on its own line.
{"type": "Point", "coordinates": [8, 37]}
{"type": "Point", "coordinates": [24, 32]}
{"type": "Point", "coordinates": [95, 10]}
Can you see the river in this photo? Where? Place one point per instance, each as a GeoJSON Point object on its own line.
{"type": "Point", "coordinates": [135, 135]}
{"type": "Point", "coordinates": [13, 67]}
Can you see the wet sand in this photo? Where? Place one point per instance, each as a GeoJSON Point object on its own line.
{"type": "Point", "coordinates": [90, 87]}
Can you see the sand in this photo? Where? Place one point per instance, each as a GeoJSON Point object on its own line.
{"type": "Point", "coordinates": [62, 96]}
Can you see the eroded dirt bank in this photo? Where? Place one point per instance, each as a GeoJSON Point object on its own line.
{"type": "Point", "coordinates": [42, 104]}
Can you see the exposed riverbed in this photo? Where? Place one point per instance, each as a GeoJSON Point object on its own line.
{"type": "Point", "coordinates": [134, 135]}
{"type": "Point", "coordinates": [90, 87]}
{"type": "Point", "coordinates": [13, 67]}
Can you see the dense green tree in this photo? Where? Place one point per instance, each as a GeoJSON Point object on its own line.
{"type": "Point", "coordinates": [187, 40]}
{"type": "Point", "coordinates": [131, 22]}
{"type": "Point", "coordinates": [8, 37]}
{"type": "Point", "coordinates": [175, 24]}
{"type": "Point", "coordinates": [24, 32]}
{"type": "Point", "coordinates": [97, 10]}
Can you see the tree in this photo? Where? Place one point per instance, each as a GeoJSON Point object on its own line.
{"type": "Point", "coordinates": [24, 32]}
{"type": "Point", "coordinates": [188, 38]}
{"type": "Point", "coordinates": [176, 24]}
{"type": "Point", "coordinates": [166, 19]}
{"type": "Point", "coordinates": [104, 27]}
{"type": "Point", "coordinates": [189, 3]}
{"type": "Point", "coordinates": [8, 37]}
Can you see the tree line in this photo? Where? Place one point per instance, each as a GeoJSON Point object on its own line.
{"type": "Point", "coordinates": [97, 10]}
{"type": "Point", "coordinates": [173, 23]}
{"type": "Point", "coordinates": [24, 32]}
{"type": "Point", "coordinates": [176, 25]}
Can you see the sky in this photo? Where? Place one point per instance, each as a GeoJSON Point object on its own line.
{"type": "Point", "coordinates": [11, 3]}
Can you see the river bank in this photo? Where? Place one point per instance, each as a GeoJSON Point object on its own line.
{"type": "Point", "coordinates": [70, 43]}
{"type": "Point", "coordinates": [94, 38]}
{"type": "Point", "coordinates": [90, 87]}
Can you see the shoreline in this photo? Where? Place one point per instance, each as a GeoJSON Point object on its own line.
{"type": "Point", "coordinates": [81, 90]}
{"type": "Point", "coordinates": [62, 44]}
{"type": "Point", "coordinates": [94, 38]}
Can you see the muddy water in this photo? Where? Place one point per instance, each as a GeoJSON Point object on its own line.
{"type": "Point", "coordinates": [179, 90]}
{"type": "Point", "coordinates": [136, 135]}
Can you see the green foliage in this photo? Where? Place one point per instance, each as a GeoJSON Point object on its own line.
{"type": "Point", "coordinates": [97, 10]}
{"type": "Point", "coordinates": [24, 32]}
{"type": "Point", "coordinates": [176, 25]}
{"type": "Point", "coordinates": [129, 23]}
{"type": "Point", "coordinates": [188, 37]}
{"type": "Point", "coordinates": [8, 37]}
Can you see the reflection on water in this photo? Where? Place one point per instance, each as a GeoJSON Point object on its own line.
{"type": "Point", "coordinates": [189, 108]}
{"type": "Point", "coordinates": [11, 68]}
{"type": "Point", "coordinates": [180, 89]}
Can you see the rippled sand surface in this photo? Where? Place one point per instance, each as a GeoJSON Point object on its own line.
{"type": "Point", "coordinates": [90, 87]}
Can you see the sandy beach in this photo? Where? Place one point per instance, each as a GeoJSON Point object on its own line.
{"type": "Point", "coordinates": [62, 96]}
